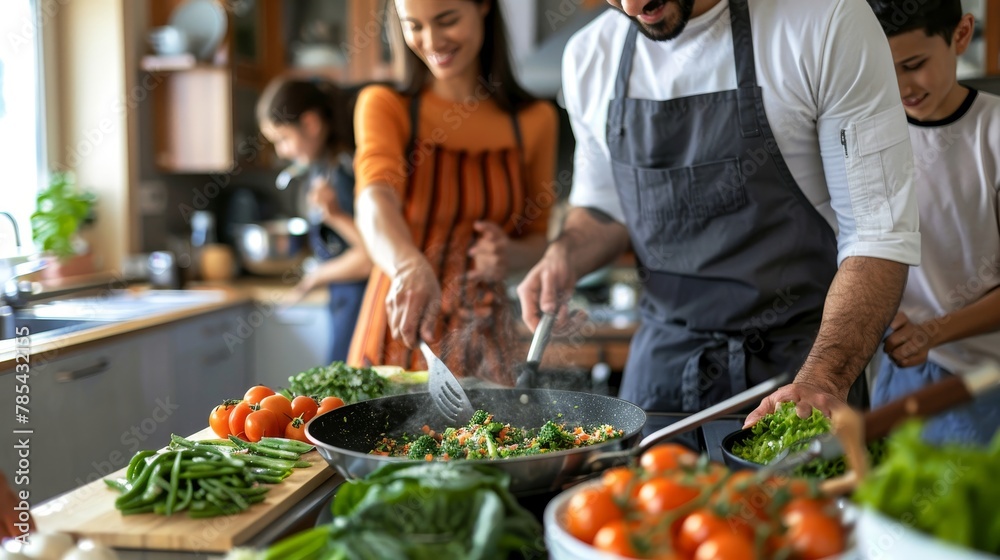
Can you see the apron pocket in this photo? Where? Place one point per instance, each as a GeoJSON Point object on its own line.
{"type": "Point", "coordinates": [666, 207]}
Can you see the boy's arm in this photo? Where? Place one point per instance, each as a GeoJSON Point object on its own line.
{"type": "Point", "coordinates": [909, 343]}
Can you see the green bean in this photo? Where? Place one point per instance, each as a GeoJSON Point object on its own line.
{"type": "Point", "coordinates": [118, 484]}
{"type": "Point", "coordinates": [134, 463]}
{"type": "Point", "coordinates": [162, 483]}
{"type": "Point", "coordinates": [139, 485]}
{"type": "Point", "coordinates": [175, 472]}
{"type": "Point", "coordinates": [269, 472]}
{"type": "Point", "coordinates": [225, 492]}
{"type": "Point", "coordinates": [268, 462]}
{"type": "Point", "coordinates": [213, 473]}
{"type": "Point", "coordinates": [186, 499]}
{"type": "Point", "coordinates": [276, 453]}
{"type": "Point", "coordinates": [268, 479]}
{"type": "Point", "coordinates": [147, 508]}
{"type": "Point", "coordinates": [285, 444]}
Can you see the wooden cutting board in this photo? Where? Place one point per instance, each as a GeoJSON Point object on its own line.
{"type": "Point", "coordinates": [89, 512]}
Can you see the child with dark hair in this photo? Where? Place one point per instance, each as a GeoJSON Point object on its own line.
{"type": "Point", "coordinates": [949, 319]}
{"type": "Point", "coordinates": [310, 122]}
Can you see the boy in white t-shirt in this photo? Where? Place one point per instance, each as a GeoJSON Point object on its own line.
{"type": "Point", "coordinates": [949, 319]}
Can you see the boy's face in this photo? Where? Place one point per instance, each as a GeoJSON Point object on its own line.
{"type": "Point", "coordinates": [925, 69]}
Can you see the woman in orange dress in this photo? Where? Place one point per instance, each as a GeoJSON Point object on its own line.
{"type": "Point", "coordinates": [455, 175]}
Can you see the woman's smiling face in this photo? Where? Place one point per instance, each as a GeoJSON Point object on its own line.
{"type": "Point", "coordinates": [446, 34]}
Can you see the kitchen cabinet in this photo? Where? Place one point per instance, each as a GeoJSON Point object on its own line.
{"type": "Point", "coordinates": [203, 115]}
{"type": "Point", "coordinates": [209, 363]}
{"type": "Point", "coordinates": [88, 413]}
{"type": "Point", "coordinates": [289, 342]}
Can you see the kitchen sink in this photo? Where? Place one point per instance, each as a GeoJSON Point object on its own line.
{"type": "Point", "coordinates": [54, 327]}
{"type": "Point", "coordinates": [63, 316]}
{"type": "Point", "coordinates": [124, 305]}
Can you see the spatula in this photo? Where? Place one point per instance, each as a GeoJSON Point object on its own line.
{"type": "Point", "coordinates": [446, 392]}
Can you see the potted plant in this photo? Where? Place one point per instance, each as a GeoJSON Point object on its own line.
{"type": "Point", "coordinates": [61, 210]}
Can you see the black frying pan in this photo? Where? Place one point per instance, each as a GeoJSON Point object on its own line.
{"type": "Point", "coordinates": [345, 436]}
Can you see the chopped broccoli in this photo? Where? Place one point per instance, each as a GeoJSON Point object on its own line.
{"type": "Point", "coordinates": [553, 436]}
{"type": "Point", "coordinates": [423, 446]}
{"type": "Point", "coordinates": [514, 435]}
{"type": "Point", "coordinates": [480, 417]}
{"type": "Point", "coordinates": [452, 448]}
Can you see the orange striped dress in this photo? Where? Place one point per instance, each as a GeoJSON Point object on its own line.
{"type": "Point", "coordinates": [463, 164]}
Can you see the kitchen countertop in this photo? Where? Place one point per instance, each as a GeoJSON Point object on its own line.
{"type": "Point", "coordinates": [230, 294]}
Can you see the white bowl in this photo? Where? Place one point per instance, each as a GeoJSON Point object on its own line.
{"type": "Point", "coordinates": [882, 538]}
{"type": "Point", "coordinates": [564, 546]}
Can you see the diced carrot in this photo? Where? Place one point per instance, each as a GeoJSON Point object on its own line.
{"type": "Point", "coordinates": [462, 438]}
{"type": "Point", "coordinates": [584, 437]}
{"type": "Point", "coordinates": [426, 428]}
{"type": "Point", "coordinates": [382, 453]}
{"type": "Point", "coordinates": [429, 457]}
{"type": "Point", "coordinates": [578, 430]}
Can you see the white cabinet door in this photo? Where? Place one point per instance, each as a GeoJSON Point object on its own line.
{"type": "Point", "coordinates": [289, 342]}
{"type": "Point", "coordinates": [86, 415]}
{"type": "Point", "coordinates": [210, 364]}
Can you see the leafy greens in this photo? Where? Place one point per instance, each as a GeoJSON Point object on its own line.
{"type": "Point", "coordinates": [339, 380]}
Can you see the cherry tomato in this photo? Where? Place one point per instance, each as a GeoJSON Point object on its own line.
{"type": "Point", "coordinates": [296, 429]}
{"type": "Point", "coordinates": [666, 457]}
{"type": "Point", "coordinates": [588, 511]}
{"type": "Point", "coordinates": [701, 525]}
{"type": "Point", "coordinates": [725, 546]}
{"type": "Point", "coordinates": [813, 535]}
{"type": "Point", "coordinates": [219, 418]}
{"type": "Point", "coordinates": [621, 483]}
{"type": "Point", "coordinates": [304, 406]}
{"type": "Point", "coordinates": [614, 538]}
{"type": "Point", "coordinates": [280, 406]}
{"type": "Point", "coordinates": [262, 423]}
{"type": "Point", "coordinates": [257, 393]}
{"type": "Point", "coordinates": [661, 495]}
{"type": "Point", "coordinates": [328, 404]}
{"type": "Point", "coordinates": [238, 417]}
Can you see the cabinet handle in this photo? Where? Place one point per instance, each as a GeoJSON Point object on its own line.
{"type": "Point", "coordinates": [101, 366]}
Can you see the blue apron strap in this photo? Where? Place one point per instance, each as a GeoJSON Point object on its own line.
{"type": "Point", "coordinates": [690, 391]}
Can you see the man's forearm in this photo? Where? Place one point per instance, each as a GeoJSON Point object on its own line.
{"type": "Point", "coordinates": [591, 239]}
{"type": "Point", "coordinates": [861, 303]}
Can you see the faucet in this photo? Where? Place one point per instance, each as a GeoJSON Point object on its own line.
{"type": "Point", "coordinates": [10, 293]}
{"type": "Point", "coordinates": [17, 232]}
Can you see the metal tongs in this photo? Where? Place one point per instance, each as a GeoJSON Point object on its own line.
{"type": "Point", "coordinates": [938, 397]}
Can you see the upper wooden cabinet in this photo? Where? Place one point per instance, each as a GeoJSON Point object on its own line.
{"type": "Point", "coordinates": [203, 117]}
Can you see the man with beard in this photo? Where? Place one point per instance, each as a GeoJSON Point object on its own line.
{"type": "Point", "coordinates": [757, 157]}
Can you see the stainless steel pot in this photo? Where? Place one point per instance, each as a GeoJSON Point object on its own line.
{"type": "Point", "coordinates": [274, 247]}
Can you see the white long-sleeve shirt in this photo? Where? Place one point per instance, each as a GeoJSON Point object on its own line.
{"type": "Point", "coordinates": [826, 74]}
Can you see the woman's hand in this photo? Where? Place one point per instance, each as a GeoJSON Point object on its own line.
{"type": "Point", "coordinates": [489, 253]}
{"type": "Point", "coordinates": [413, 304]}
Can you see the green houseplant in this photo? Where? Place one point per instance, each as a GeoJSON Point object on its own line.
{"type": "Point", "coordinates": [61, 210]}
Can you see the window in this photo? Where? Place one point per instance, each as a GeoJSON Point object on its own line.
{"type": "Point", "coordinates": [22, 122]}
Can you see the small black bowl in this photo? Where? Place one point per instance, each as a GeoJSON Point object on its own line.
{"type": "Point", "coordinates": [733, 460]}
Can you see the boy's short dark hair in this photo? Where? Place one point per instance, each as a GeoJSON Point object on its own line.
{"type": "Point", "coordinates": [934, 17]}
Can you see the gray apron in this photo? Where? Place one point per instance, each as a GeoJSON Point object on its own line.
{"type": "Point", "coordinates": [735, 261]}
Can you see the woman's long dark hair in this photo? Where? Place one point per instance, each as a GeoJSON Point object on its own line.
{"type": "Point", "coordinates": [495, 65]}
{"type": "Point", "coordinates": [285, 100]}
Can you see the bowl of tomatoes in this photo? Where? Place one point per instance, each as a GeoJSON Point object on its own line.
{"type": "Point", "coordinates": [678, 505]}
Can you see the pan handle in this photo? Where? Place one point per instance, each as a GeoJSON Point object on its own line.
{"type": "Point", "coordinates": [615, 458]}
{"type": "Point", "coordinates": [732, 404]}
{"type": "Point", "coordinates": [539, 341]}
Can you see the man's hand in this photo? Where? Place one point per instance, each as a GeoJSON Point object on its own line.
{"type": "Point", "coordinates": [805, 395]}
{"type": "Point", "coordinates": [909, 342]}
{"type": "Point", "coordinates": [547, 287]}
{"type": "Point", "coordinates": [489, 253]}
{"type": "Point", "coordinates": [413, 304]}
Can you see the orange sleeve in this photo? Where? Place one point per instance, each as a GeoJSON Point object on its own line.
{"type": "Point", "coordinates": [382, 130]}
{"type": "Point", "coordinates": [540, 128]}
